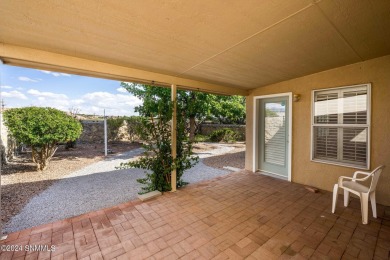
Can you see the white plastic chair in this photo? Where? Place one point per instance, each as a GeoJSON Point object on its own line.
{"type": "Point", "coordinates": [363, 192]}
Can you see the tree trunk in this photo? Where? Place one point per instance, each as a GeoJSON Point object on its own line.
{"type": "Point", "coordinates": [70, 144]}
{"type": "Point", "coordinates": [33, 154]}
{"type": "Point", "coordinates": [42, 155]}
{"type": "Point", "coordinates": [192, 128]}
{"type": "Point", "coordinates": [3, 156]}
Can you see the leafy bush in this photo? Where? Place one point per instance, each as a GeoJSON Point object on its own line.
{"type": "Point", "coordinates": [157, 159]}
{"type": "Point", "coordinates": [134, 127]}
{"type": "Point", "coordinates": [201, 138]}
{"type": "Point", "coordinates": [42, 128]}
{"type": "Point", "coordinates": [113, 125]}
{"type": "Point", "coordinates": [198, 106]}
{"type": "Point", "coordinates": [226, 135]}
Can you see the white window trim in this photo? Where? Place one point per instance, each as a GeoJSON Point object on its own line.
{"type": "Point", "coordinates": [368, 125]}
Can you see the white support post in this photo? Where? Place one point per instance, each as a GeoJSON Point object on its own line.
{"type": "Point", "coordinates": [173, 135]}
{"type": "Point", "coordinates": [1, 118]}
{"type": "Point", "coordinates": [1, 162]}
{"type": "Point", "coordinates": [105, 133]}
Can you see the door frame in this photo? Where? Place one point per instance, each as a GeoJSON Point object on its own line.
{"type": "Point", "coordinates": [256, 130]}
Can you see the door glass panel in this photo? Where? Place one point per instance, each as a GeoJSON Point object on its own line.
{"type": "Point", "coordinates": [275, 133]}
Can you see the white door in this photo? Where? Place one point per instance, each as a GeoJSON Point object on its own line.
{"type": "Point", "coordinates": [273, 135]}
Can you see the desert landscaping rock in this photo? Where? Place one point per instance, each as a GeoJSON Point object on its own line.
{"type": "Point", "coordinates": [96, 186]}
{"type": "Point", "coordinates": [20, 181]}
{"type": "Point", "coordinates": [101, 185]}
{"type": "Point", "coordinates": [234, 158]}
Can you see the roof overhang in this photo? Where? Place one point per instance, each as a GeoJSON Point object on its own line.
{"type": "Point", "coordinates": [37, 59]}
{"type": "Point", "coordinates": [225, 47]}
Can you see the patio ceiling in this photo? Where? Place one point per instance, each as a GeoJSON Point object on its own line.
{"type": "Point", "coordinates": [226, 46]}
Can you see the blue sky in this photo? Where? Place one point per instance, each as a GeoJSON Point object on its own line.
{"type": "Point", "coordinates": [22, 87]}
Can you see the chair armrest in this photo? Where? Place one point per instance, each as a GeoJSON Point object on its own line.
{"type": "Point", "coordinates": [341, 178]}
{"type": "Point", "coordinates": [360, 172]}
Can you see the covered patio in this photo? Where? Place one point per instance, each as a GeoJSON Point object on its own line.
{"type": "Point", "coordinates": [241, 215]}
{"type": "Point", "coordinates": [260, 50]}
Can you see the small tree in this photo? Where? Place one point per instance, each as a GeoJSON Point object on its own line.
{"type": "Point", "coordinates": [42, 128]}
{"type": "Point", "coordinates": [196, 104]}
{"type": "Point", "coordinates": [228, 109]}
{"type": "Point", "coordinates": [155, 131]}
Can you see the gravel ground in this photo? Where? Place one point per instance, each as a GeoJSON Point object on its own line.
{"type": "Point", "coordinates": [235, 157]}
{"type": "Point", "coordinates": [96, 186]}
{"type": "Point", "coordinates": [204, 150]}
{"type": "Point", "coordinates": [201, 172]}
{"type": "Point", "coordinates": [20, 181]}
{"type": "Point", "coordinates": [100, 185]}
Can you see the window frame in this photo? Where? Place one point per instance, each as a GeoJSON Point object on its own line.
{"type": "Point", "coordinates": [367, 125]}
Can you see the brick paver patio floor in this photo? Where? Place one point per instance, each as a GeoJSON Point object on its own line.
{"type": "Point", "coordinates": [241, 215]}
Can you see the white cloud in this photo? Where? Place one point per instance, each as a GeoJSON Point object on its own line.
{"type": "Point", "coordinates": [6, 87]}
{"type": "Point", "coordinates": [55, 74]}
{"type": "Point", "coordinates": [49, 99]}
{"type": "Point", "coordinates": [77, 101]}
{"type": "Point", "coordinates": [59, 103]}
{"type": "Point", "coordinates": [13, 94]}
{"type": "Point", "coordinates": [27, 79]}
{"type": "Point", "coordinates": [38, 93]}
{"type": "Point", "coordinates": [115, 104]}
{"type": "Point", "coordinates": [122, 90]}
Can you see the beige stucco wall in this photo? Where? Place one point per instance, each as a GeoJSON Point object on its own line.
{"type": "Point", "coordinates": [324, 176]}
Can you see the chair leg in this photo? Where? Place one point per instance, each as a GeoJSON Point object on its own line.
{"type": "Point", "coordinates": [364, 206]}
{"type": "Point", "coordinates": [373, 204]}
{"type": "Point", "coordinates": [335, 195]}
{"type": "Point", "coordinates": [346, 198]}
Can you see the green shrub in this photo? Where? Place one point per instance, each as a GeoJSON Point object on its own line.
{"type": "Point", "coordinates": [134, 127]}
{"type": "Point", "coordinates": [226, 135]}
{"type": "Point", "coordinates": [42, 128]}
{"type": "Point", "coordinates": [157, 159]}
{"type": "Point", "coordinates": [113, 125]}
{"type": "Point", "coordinates": [201, 138]}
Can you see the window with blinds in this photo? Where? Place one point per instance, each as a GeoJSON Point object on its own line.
{"type": "Point", "coordinates": [341, 126]}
